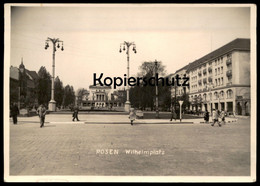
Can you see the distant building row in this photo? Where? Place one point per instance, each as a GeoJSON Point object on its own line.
{"type": "Point", "coordinates": [220, 79]}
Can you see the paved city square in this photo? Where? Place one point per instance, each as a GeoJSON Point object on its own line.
{"type": "Point", "coordinates": [85, 149]}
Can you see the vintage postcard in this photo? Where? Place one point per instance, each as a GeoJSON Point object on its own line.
{"type": "Point", "coordinates": [130, 92]}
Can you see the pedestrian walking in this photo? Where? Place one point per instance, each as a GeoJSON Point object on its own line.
{"type": "Point", "coordinates": [41, 111]}
{"type": "Point", "coordinates": [75, 113]}
{"type": "Point", "coordinates": [206, 116]}
{"type": "Point", "coordinates": [132, 115]}
{"type": "Point", "coordinates": [173, 114]}
{"type": "Point", "coordinates": [223, 115]}
{"type": "Point", "coordinates": [14, 112]}
{"type": "Point", "coordinates": [215, 117]}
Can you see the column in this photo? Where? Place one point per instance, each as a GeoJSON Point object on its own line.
{"type": "Point", "coordinates": [225, 105]}
{"type": "Point", "coordinates": [203, 107]}
{"type": "Point", "coordinates": [234, 105]}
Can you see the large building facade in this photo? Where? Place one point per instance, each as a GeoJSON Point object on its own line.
{"type": "Point", "coordinates": [23, 84]}
{"type": "Point", "coordinates": [101, 97]}
{"type": "Point", "coordinates": [221, 79]}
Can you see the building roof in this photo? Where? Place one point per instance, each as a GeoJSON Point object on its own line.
{"type": "Point", "coordinates": [32, 74]}
{"type": "Point", "coordinates": [183, 68]}
{"type": "Point", "coordinates": [98, 86]}
{"type": "Point", "coordinates": [237, 44]}
{"type": "Point", "coordinates": [14, 73]}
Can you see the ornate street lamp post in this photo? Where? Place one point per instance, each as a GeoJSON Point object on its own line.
{"type": "Point", "coordinates": [56, 44]}
{"type": "Point", "coordinates": [156, 91]}
{"type": "Point", "coordinates": [126, 46]}
{"type": "Point", "coordinates": [180, 102]}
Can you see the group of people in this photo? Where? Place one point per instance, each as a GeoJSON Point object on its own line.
{"type": "Point", "coordinates": [217, 117]}
{"type": "Point", "coordinates": [41, 111]}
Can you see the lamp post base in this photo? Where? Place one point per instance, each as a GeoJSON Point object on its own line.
{"type": "Point", "coordinates": [52, 105]}
{"type": "Point", "coordinates": [157, 114]}
{"type": "Point", "coordinates": [127, 106]}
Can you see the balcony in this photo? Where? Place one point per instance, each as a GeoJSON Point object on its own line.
{"type": "Point", "coordinates": [229, 73]}
{"type": "Point", "coordinates": [229, 61]}
{"type": "Point", "coordinates": [210, 69]}
{"type": "Point", "coordinates": [204, 71]}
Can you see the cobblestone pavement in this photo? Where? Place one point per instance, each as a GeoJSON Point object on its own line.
{"type": "Point", "coordinates": [161, 150]}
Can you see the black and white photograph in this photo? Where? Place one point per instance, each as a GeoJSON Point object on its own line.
{"type": "Point", "coordinates": [129, 92]}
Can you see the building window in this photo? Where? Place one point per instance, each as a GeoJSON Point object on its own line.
{"type": "Point", "coordinates": [221, 95]}
{"type": "Point", "coordinates": [215, 95]}
{"type": "Point", "coordinates": [222, 81]}
{"type": "Point", "coordinates": [221, 70]}
{"type": "Point", "coordinates": [229, 94]}
{"type": "Point", "coordinates": [216, 62]}
{"type": "Point", "coordinates": [218, 70]}
{"type": "Point", "coordinates": [215, 71]}
{"type": "Point", "coordinates": [216, 82]}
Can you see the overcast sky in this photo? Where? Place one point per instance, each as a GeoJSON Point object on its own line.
{"type": "Point", "coordinates": [92, 36]}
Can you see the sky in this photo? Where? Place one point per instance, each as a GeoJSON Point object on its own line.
{"type": "Point", "coordinates": [92, 35]}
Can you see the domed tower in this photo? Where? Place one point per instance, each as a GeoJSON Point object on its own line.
{"type": "Point", "coordinates": [22, 67]}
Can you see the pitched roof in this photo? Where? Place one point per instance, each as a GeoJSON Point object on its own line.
{"type": "Point", "coordinates": [237, 44]}
{"type": "Point", "coordinates": [185, 67]}
{"type": "Point", "coordinates": [14, 73]}
{"type": "Point", "coordinates": [32, 74]}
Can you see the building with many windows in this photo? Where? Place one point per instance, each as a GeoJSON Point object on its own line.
{"type": "Point", "coordinates": [180, 90]}
{"type": "Point", "coordinates": [221, 79]}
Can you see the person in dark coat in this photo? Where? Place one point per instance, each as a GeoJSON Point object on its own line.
{"type": "Point", "coordinates": [173, 114]}
{"type": "Point", "coordinates": [75, 114]}
{"type": "Point", "coordinates": [14, 113]}
{"type": "Point", "coordinates": [206, 116]}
